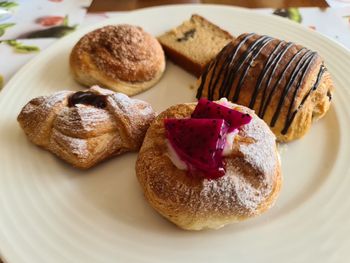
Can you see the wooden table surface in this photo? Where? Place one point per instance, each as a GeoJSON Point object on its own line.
{"type": "Point", "coordinates": [124, 5]}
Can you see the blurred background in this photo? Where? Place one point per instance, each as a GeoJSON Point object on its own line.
{"type": "Point", "coordinates": [103, 5]}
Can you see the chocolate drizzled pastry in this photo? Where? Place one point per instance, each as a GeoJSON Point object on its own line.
{"type": "Point", "coordinates": [285, 83]}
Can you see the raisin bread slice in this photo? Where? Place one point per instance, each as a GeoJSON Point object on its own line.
{"type": "Point", "coordinates": [194, 43]}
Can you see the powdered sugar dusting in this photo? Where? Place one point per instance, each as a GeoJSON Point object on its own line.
{"type": "Point", "coordinates": [83, 134]}
{"type": "Point", "coordinates": [255, 145]}
{"type": "Point", "coordinates": [235, 191]}
{"type": "Point", "coordinates": [61, 143]}
{"type": "Point", "coordinates": [45, 104]}
{"type": "Point", "coordinates": [37, 116]}
{"type": "Point", "coordinates": [84, 120]}
{"type": "Point", "coordinates": [262, 153]}
{"type": "Point", "coordinates": [248, 187]}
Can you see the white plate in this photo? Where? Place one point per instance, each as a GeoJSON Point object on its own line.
{"type": "Point", "coordinates": [51, 212]}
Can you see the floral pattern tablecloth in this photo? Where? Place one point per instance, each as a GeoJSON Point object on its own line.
{"type": "Point", "coordinates": [28, 27]}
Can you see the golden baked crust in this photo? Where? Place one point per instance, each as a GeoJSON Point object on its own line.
{"type": "Point", "coordinates": [194, 43]}
{"type": "Point", "coordinates": [249, 187]}
{"type": "Point", "coordinates": [286, 84]}
{"type": "Point", "coordinates": [84, 135]}
{"type": "Point", "coordinates": [123, 58]}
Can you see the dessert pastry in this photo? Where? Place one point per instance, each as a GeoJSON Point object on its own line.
{"type": "Point", "coordinates": [286, 84]}
{"type": "Point", "coordinates": [84, 128]}
{"type": "Point", "coordinates": [217, 167]}
{"type": "Point", "coordinates": [123, 58]}
{"type": "Point", "coordinates": [194, 43]}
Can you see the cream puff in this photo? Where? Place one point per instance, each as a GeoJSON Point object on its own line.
{"type": "Point", "coordinates": [209, 164]}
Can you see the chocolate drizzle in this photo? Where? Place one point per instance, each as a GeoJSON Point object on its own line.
{"type": "Point", "coordinates": [291, 115]}
{"type": "Point", "coordinates": [228, 72]}
{"type": "Point", "coordinates": [87, 98]}
{"type": "Point", "coordinates": [224, 70]}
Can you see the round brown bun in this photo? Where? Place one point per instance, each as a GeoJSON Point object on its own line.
{"type": "Point", "coordinates": [286, 84]}
{"type": "Point", "coordinates": [123, 58]}
{"type": "Point", "coordinates": [250, 185]}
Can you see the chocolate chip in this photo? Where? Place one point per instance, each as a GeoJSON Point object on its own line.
{"type": "Point", "coordinates": [186, 35]}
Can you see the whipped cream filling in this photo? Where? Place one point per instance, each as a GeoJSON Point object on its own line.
{"type": "Point", "coordinates": [174, 157]}
{"type": "Point", "coordinates": [228, 148]}
{"type": "Point", "coordinates": [223, 101]}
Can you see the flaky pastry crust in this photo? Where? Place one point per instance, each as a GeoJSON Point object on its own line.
{"type": "Point", "coordinates": [249, 187]}
{"type": "Point", "coordinates": [84, 135]}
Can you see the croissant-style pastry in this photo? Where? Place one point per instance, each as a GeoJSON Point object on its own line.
{"type": "Point", "coordinates": [84, 128]}
{"type": "Point", "coordinates": [286, 84]}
